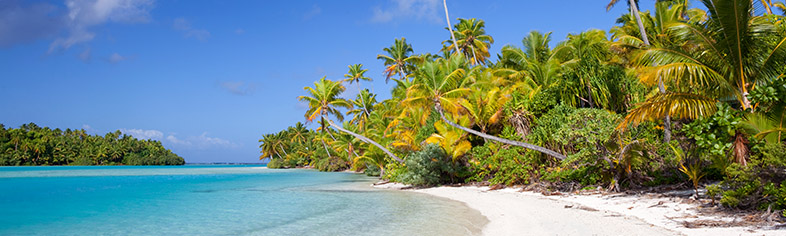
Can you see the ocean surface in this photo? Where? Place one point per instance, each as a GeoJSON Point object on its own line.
{"type": "Point", "coordinates": [217, 200]}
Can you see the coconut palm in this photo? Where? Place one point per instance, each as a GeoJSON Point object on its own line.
{"type": "Point", "coordinates": [485, 108]}
{"type": "Point", "coordinates": [634, 10]}
{"type": "Point", "coordinates": [450, 28]}
{"type": "Point", "coordinates": [451, 139]}
{"type": "Point", "coordinates": [268, 147]}
{"type": "Point", "coordinates": [364, 105]}
{"type": "Point", "coordinates": [441, 84]}
{"type": "Point", "coordinates": [398, 60]}
{"type": "Point", "coordinates": [298, 133]}
{"type": "Point", "coordinates": [323, 100]}
{"type": "Point", "coordinates": [471, 40]}
{"type": "Point", "coordinates": [729, 54]}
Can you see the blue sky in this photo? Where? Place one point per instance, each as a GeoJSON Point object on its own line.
{"type": "Point", "coordinates": [208, 78]}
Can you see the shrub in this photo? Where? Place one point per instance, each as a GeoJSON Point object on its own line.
{"type": "Point", "coordinates": [330, 164]}
{"type": "Point", "coordinates": [760, 184]}
{"type": "Point", "coordinates": [582, 135]}
{"type": "Point", "coordinates": [275, 163]}
{"type": "Point", "coordinates": [507, 166]}
{"type": "Point", "coordinates": [430, 167]}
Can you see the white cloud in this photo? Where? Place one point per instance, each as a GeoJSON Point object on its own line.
{"type": "Point", "coordinates": [115, 58]}
{"type": "Point", "coordinates": [84, 14]}
{"type": "Point", "coordinates": [175, 140]}
{"type": "Point", "coordinates": [200, 142]}
{"type": "Point", "coordinates": [238, 87]}
{"type": "Point", "coordinates": [143, 134]}
{"type": "Point", "coordinates": [182, 25]}
{"type": "Point", "coordinates": [408, 9]}
{"type": "Point", "coordinates": [240, 31]}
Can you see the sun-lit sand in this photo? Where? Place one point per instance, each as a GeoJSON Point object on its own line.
{"type": "Point", "coordinates": [511, 212]}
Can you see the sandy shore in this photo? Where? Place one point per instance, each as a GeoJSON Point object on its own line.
{"type": "Point", "coordinates": [511, 212]}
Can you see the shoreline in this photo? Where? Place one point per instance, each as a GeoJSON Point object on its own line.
{"type": "Point", "coordinates": [513, 212]}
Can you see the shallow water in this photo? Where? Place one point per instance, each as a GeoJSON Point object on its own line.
{"type": "Point", "coordinates": [217, 200]}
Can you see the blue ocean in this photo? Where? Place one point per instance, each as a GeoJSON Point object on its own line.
{"type": "Point", "coordinates": [217, 200]}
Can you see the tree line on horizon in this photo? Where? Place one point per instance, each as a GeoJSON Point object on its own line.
{"type": "Point", "coordinates": [31, 145]}
{"type": "Point", "coordinates": [676, 95]}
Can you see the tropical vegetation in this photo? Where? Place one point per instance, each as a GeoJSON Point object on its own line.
{"type": "Point", "coordinates": [31, 144]}
{"type": "Point", "coordinates": [692, 96]}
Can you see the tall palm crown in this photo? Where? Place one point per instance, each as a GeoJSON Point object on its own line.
{"type": "Point", "coordinates": [442, 81]}
{"type": "Point", "coordinates": [536, 60]}
{"type": "Point", "coordinates": [298, 133]}
{"type": "Point", "coordinates": [356, 73]}
{"type": "Point", "coordinates": [398, 59]}
{"type": "Point", "coordinates": [323, 100]}
{"type": "Point", "coordinates": [730, 54]}
{"type": "Point", "coordinates": [471, 39]}
{"type": "Point", "coordinates": [364, 105]}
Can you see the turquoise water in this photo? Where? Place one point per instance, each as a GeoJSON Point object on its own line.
{"type": "Point", "coordinates": [216, 200]}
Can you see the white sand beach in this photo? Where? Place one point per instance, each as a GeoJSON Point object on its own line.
{"type": "Point", "coordinates": [512, 212]}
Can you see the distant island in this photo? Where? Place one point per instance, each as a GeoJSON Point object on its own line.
{"type": "Point", "coordinates": [31, 145]}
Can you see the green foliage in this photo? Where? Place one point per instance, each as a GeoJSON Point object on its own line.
{"type": "Point", "coordinates": [583, 134]}
{"type": "Point", "coordinates": [713, 136]}
{"type": "Point", "coordinates": [501, 165]}
{"type": "Point", "coordinates": [276, 163]}
{"type": "Point", "coordinates": [760, 184]}
{"type": "Point", "coordinates": [34, 145]}
{"type": "Point", "coordinates": [330, 164]}
{"type": "Point", "coordinates": [430, 167]}
{"type": "Point", "coordinates": [372, 170]}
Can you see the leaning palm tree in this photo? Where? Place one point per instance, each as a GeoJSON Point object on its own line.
{"type": "Point", "coordinates": [398, 59]}
{"type": "Point", "coordinates": [323, 100]}
{"type": "Point", "coordinates": [447, 18]}
{"type": "Point", "coordinates": [268, 147]}
{"type": "Point", "coordinates": [441, 84]}
{"type": "Point", "coordinates": [730, 53]}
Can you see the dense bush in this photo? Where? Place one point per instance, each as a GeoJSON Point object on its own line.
{"type": "Point", "coordinates": [581, 134]}
{"type": "Point", "coordinates": [332, 163]}
{"type": "Point", "coordinates": [276, 163]}
{"type": "Point", "coordinates": [501, 165]}
{"type": "Point", "coordinates": [760, 184]}
{"type": "Point", "coordinates": [430, 167]}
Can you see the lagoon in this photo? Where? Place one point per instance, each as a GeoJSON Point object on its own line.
{"type": "Point", "coordinates": [217, 200]}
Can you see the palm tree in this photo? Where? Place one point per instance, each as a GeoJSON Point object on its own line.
{"type": "Point", "coordinates": [298, 133]}
{"type": "Point", "coordinates": [364, 105]}
{"type": "Point", "coordinates": [447, 18]}
{"type": "Point", "coordinates": [451, 139]}
{"type": "Point", "coordinates": [472, 40]}
{"type": "Point", "coordinates": [398, 59]}
{"type": "Point", "coordinates": [634, 10]}
{"type": "Point", "coordinates": [730, 53]}
{"type": "Point", "coordinates": [323, 101]}
{"type": "Point", "coordinates": [441, 84]}
{"type": "Point", "coordinates": [666, 13]}
{"type": "Point", "coordinates": [485, 107]}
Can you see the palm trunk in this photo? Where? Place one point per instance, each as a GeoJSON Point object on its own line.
{"type": "Point", "coordinates": [282, 149]}
{"type": "Point", "coordinates": [326, 149]}
{"type": "Point", "coordinates": [366, 140]}
{"type": "Point", "coordinates": [450, 27]}
{"type": "Point", "coordinates": [635, 10]}
{"type": "Point", "coordinates": [498, 139]}
{"type": "Point", "coordinates": [474, 57]}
